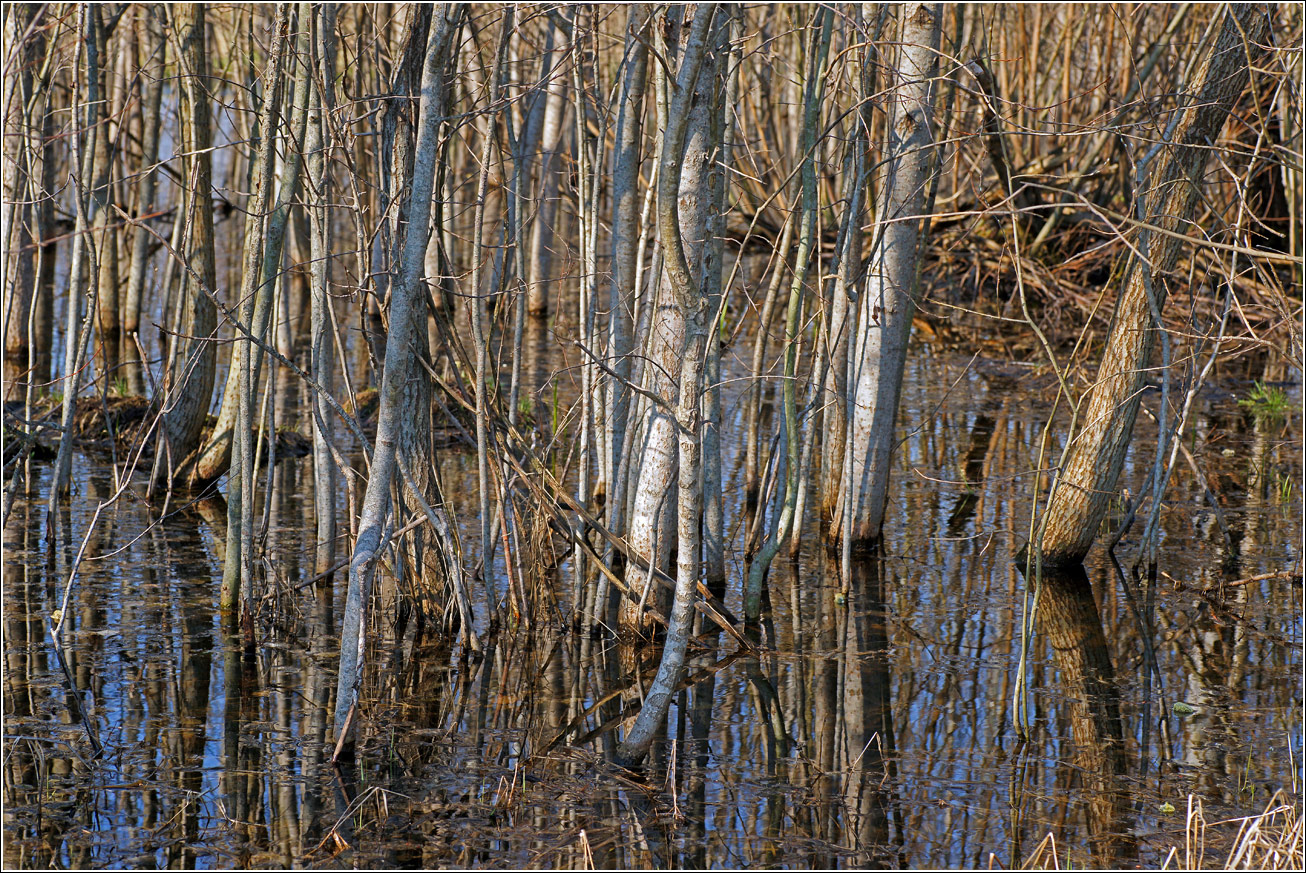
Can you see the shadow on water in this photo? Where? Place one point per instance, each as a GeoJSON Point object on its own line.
{"type": "Point", "coordinates": [873, 728]}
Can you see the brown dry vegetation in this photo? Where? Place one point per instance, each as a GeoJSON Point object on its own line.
{"type": "Point", "coordinates": [363, 224]}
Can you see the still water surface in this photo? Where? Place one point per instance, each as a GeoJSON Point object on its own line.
{"type": "Point", "coordinates": [876, 730]}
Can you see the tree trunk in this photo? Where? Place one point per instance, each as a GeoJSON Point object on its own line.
{"type": "Point", "coordinates": [1083, 491]}
{"type": "Point", "coordinates": [257, 301]}
{"type": "Point", "coordinates": [21, 144]}
{"type": "Point", "coordinates": [103, 192]}
{"type": "Point", "coordinates": [848, 273]}
{"type": "Point", "coordinates": [654, 506]}
{"type": "Point", "coordinates": [82, 274]}
{"type": "Point", "coordinates": [543, 235]}
{"type": "Point", "coordinates": [321, 359]}
{"type": "Point", "coordinates": [626, 155]}
{"type": "Point", "coordinates": [686, 183]}
{"type": "Point", "coordinates": [782, 521]}
{"type": "Point", "coordinates": [723, 134]}
{"type": "Point", "coordinates": [239, 390]}
{"type": "Point", "coordinates": [886, 307]}
{"type": "Point", "coordinates": [152, 48]}
{"type": "Point", "coordinates": [405, 299]}
{"type": "Point", "coordinates": [189, 376]}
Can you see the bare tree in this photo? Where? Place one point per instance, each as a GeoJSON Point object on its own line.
{"type": "Point", "coordinates": [886, 307]}
{"type": "Point", "coordinates": [321, 358]}
{"type": "Point", "coordinates": [1167, 194]}
{"type": "Point", "coordinates": [83, 263]}
{"type": "Point", "coordinates": [373, 528]}
{"type": "Point", "coordinates": [270, 229]}
{"type": "Point", "coordinates": [239, 393]}
{"type": "Point", "coordinates": [192, 359]}
{"type": "Point", "coordinates": [685, 188]}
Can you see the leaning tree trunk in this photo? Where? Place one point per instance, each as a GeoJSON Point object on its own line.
{"type": "Point", "coordinates": [1083, 491]}
{"type": "Point", "coordinates": [886, 307]}
{"type": "Point", "coordinates": [406, 299]}
{"type": "Point", "coordinates": [684, 203]}
{"type": "Point", "coordinates": [188, 380]}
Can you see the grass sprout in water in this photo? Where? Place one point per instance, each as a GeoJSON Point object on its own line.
{"type": "Point", "coordinates": [1267, 402]}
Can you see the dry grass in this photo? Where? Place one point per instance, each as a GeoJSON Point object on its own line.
{"type": "Point", "coordinates": [1271, 840]}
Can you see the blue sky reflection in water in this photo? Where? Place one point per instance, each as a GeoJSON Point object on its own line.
{"type": "Point", "coordinates": [880, 733]}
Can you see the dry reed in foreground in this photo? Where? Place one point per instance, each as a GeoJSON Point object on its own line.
{"type": "Point", "coordinates": [1271, 840]}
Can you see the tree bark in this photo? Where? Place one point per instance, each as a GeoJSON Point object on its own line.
{"type": "Point", "coordinates": [321, 359]}
{"type": "Point", "coordinates": [398, 366]}
{"type": "Point", "coordinates": [215, 457]}
{"type": "Point", "coordinates": [652, 528]}
{"type": "Point", "coordinates": [625, 240]}
{"type": "Point", "coordinates": [188, 380]}
{"type": "Point", "coordinates": [886, 307]}
{"type": "Point", "coordinates": [21, 144]}
{"type": "Point", "coordinates": [848, 274]}
{"type": "Point", "coordinates": [1083, 491]}
{"type": "Point", "coordinates": [787, 489]}
{"type": "Point", "coordinates": [685, 187]}
{"type": "Point", "coordinates": [239, 389]}
{"type": "Point", "coordinates": [152, 49]}
{"type": "Point", "coordinates": [543, 234]}
{"type": "Point", "coordinates": [103, 193]}
{"type": "Point", "coordinates": [82, 273]}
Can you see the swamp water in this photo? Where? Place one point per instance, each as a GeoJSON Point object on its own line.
{"type": "Point", "coordinates": [876, 729]}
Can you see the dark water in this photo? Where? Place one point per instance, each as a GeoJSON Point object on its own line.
{"type": "Point", "coordinates": [877, 730]}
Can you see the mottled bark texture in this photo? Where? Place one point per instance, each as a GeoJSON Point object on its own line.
{"type": "Point", "coordinates": [652, 520]}
{"type": "Point", "coordinates": [687, 153]}
{"type": "Point", "coordinates": [1171, 186]}
{"type": "Point", "coordinates": [887, 305]}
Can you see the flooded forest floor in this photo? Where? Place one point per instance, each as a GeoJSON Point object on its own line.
{"type": "Point", "coordinates": [214, 754]}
